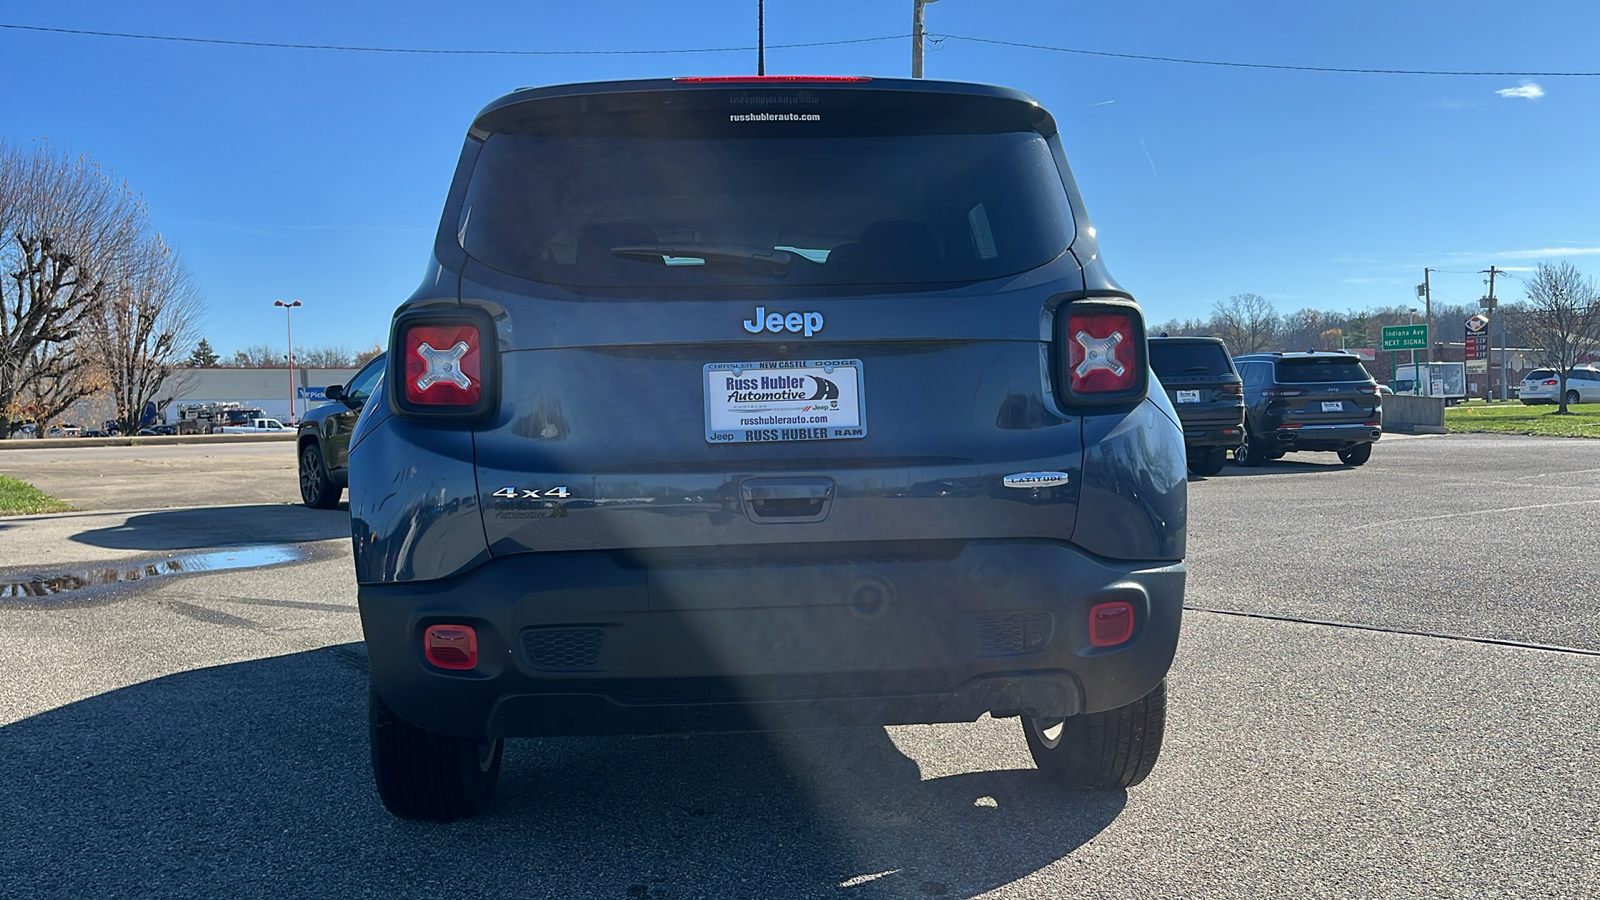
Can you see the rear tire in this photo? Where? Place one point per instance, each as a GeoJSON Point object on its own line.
{"type": "Point", "coordinates": [427, 776]}
{"type": "Point", "coordinates": [317, 489]}
{"type": "Point", "coordinates": [1355, 456]}
{"type": "Point", "coordinates": [1572, 398]}
{"type": "Point", "coordinates": [1101, 751]}
{"type": "Point", "coordinates": [1207, 460]}
{"type": "Point", "coordinates": [1249, 452]}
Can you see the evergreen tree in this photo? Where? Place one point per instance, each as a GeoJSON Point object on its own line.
{"type": "Point", "coordinates": [1359, 334]}
{"type": "Point", "coordinates": [203, 355]}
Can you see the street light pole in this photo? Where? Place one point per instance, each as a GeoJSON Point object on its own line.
{"type": "Point", "coordinates": [289, 333]}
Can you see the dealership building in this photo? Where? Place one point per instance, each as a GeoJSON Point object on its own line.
{"type": "Point", "coordinates": [265, 389]}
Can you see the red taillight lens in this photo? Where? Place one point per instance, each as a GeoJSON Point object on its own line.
{"type": "Point", "coordinates": [1367, 389]}
{"type": "Point", "coordinates": [1236, 390]}
{"type": "Point", "coordinates": [1552, 382]}
{"type": "Point", "coordinates": [451, 646]}
{"type": "Point", "coordinates": [1102, 352]}
{"type": "Point", "coordinates": [1111, 623]}
{"type": "Point", "coordinates": [444, 364]}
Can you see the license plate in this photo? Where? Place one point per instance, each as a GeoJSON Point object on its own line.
{"type": "Point", "coordinates": [784, 400]}
{"type": "Point", "coordinates": [1188, 396]}
{"type": "Point", "coordinates": [1333, 406]}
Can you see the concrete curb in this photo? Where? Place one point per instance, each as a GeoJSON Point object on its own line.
{"type": "Point", "coordinates": [137, 441]}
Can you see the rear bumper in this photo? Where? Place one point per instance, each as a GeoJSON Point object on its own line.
{"type": "Point", "coordinates": [1212, 429]}
{"type": "Point", "coordinates": [1325, 437]}
{"type": "Point", "coordinates": [607, 643]}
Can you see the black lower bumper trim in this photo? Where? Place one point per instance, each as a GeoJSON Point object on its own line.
{"type": "Point", "coordinates": [594, 642]}
{"type": "Point", "coordinates": [1051, 695]}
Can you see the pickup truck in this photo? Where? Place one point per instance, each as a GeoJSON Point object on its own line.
{"type": "Point", "coordinates": [256, 426]}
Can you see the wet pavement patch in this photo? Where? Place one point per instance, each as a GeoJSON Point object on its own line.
{"type": "Point", "coordinates": [67, 585]}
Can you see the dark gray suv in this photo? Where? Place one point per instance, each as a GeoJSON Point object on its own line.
{"type": "Point", "coordinates": [759, 403]}
{"type": "Point", "coordinates": [1316, 400]}
{"type": "Point", "coordinates": [1203, 386]}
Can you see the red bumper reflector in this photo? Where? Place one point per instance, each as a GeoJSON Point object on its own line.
{"type": "Point", "coordinates": [451, 646]}
{"type": "Point", "coordinates": [1111, 623]}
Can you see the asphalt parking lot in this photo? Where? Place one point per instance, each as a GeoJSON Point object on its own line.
{"type": "Point", "coordinates": [1388, 685]}
{"type": "Point", "coordinates": [159, 476]}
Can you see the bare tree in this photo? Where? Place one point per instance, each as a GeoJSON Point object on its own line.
{"type": "Point", "coordinates": [65, 227]}
{"type": "Point", "coordinates": [144, 333]}
{"type": "Point", "coordinates": [1561, 317]}
{"type": "Point", "coordinates": [54, 377]}
{"type": "Point", "coordinates": [1304, 329]}
{"type": "Point", "coordinates": [1247, 323]}
{"type": "Point", "coordinates": [255, 356]}
{"type": "Point", "coordinates": [369, 354]}
{"type": "Point", "coordinates": [329, 357]}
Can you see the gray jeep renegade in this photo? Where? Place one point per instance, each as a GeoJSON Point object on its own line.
{"type": "Point", "coordinates": [761, 403]}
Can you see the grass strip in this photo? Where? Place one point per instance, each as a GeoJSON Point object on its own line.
{"type": "Point", "coordinates": [19, 498]}
{"type": "Point", "coordinates": [1582, 420]}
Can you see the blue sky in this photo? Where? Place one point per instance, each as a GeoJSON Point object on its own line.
{"type": "Point", "coordinates": [318, 176]}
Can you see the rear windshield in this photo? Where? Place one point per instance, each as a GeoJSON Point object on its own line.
{"type": "Point", "coordinates": [650, 203]}
{"type": "Point", "coordinates": [1539, 375]}
{"type": "Point", "coordinates": [1188, 359]}
{"type": "Point", "coordinates": [1311, 371]}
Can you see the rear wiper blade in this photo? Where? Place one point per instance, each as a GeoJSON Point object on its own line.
{"type": "Point", "coordinates": [1201, 369]}
{"type": "Point", "coordinates": [777, 260]}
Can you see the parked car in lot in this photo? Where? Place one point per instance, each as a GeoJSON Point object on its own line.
{"type": "Point", "coordinates": [323, 440]}
{"type": "Point", "coordinates": [1542, 386]}
{"type": "Point", "coordinates": [1205, 389]}
{"type": "Point", "coordinates": [255, 426]}
{"type": "Point", "coordinates": [1317, 400]}
{"type": "Point", "coordinates": [726, 405]}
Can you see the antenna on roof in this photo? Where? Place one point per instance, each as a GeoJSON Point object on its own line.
{"type": "Point", "coordinates": [761, 37]}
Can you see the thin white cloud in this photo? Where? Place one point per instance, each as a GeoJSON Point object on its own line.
{"type": "Point", "coordinates": [1527, 91]}
{"type": "Point", "coordinates": [1149, 159]}
{"type": "Point", "coordinates": [1103, 103]}
{"type": "Point", "coordinates": [1549, 252]}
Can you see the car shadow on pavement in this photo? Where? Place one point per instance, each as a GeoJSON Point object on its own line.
{"type": "Point", "coordinates": [1318, 463]}
{"type": "Point", "coordinates": [221, 526]}
{"type": "Point", "coordinates": [253, 779]}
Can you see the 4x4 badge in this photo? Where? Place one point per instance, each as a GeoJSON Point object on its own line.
{"type": "Point", "coordinates": [511, 493]}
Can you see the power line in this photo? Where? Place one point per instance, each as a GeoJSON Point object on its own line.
{"type": "Point", "coordinates": [1249, 65]}
{"type": "Point", "coordinates": [438, 51]}
{"type": "Point", "coordinates": [432, 51]}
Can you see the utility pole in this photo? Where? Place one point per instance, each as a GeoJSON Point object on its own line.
{"type": "Point", "coordinates": [916, 36]}
{"type": "Point", "coordinates": [761, 37]}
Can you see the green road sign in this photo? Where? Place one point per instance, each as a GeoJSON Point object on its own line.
{"type": "Point", "coordinates": [1405, 337]}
